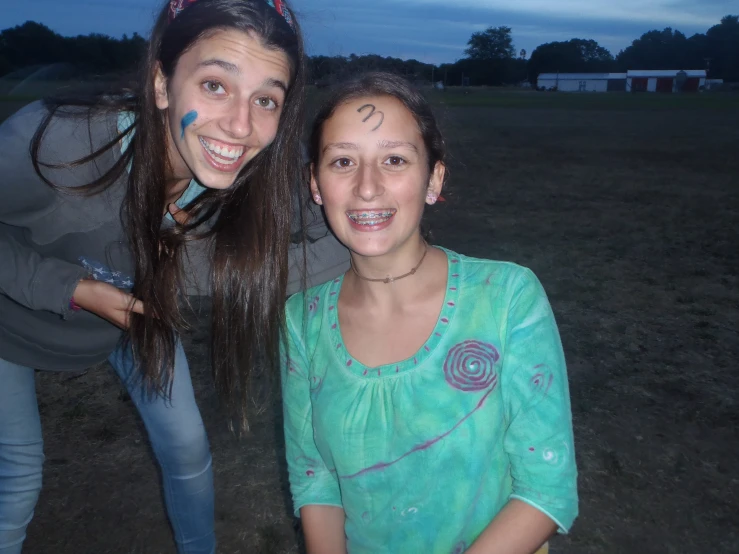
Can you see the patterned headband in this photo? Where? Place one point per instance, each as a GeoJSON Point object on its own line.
{"type": "Point", "coordinates": [176, 6]}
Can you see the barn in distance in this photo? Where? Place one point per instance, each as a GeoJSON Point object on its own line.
{"type": "Point", "coordinates": [583, 82]}
{"type": "Point", "coordinates": [666, 81]}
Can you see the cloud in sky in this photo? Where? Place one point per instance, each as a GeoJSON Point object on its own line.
{"type": "Point", "coordinates": [437, 30]}
{"type": "Point", "coordinates": [670, 12]}
{"type": "Point", "coordinates": [428, 30]}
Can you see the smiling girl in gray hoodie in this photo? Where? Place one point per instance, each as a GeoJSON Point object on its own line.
{"type": "Point", "coordinates": [97, 202]}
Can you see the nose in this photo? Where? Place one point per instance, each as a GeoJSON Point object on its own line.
{"type": "Point", "coordinates": [237, 121]}
{"type": "Point", "coordinates": [369, 182]}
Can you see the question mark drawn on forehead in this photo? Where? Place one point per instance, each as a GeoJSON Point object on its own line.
{"type": "Point", "coordinates": [374, 112]}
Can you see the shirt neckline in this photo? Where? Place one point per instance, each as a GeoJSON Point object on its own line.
{"type": "Point", "coordinates": [443, 323]}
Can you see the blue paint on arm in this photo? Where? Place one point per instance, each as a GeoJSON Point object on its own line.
{"type": "Point", "coordinates": [188, 119]}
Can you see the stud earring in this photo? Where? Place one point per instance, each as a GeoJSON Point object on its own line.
{"type": "Point", "coordinates": [431, 198]}
{"type": "Point", "coordinates": [317, 198]}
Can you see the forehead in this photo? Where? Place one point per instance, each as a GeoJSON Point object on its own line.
{"type": "Point", "coordinates": [359, 118]}
{"type": "Point", "coordinates": [243, 50]}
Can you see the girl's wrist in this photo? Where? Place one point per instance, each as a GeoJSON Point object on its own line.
{"type": "Point", "coordinates": [73, 306]}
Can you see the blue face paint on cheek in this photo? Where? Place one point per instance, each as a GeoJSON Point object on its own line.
{"type": "Point", "coordinates": [188, 119]}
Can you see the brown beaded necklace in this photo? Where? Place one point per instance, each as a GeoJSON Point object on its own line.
{"type": "Point", "coordinates": [389, 279]}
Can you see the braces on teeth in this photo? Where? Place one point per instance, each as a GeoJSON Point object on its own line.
{"type": "Point", "coordinates": [371, 218]}
{"type": "Point", "coordinates": [371, 215]}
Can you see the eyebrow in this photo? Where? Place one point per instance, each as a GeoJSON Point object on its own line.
{"type": "Point", "coordinates": [340, 146]}
{"type": "Point", "coordinates": [396, 144]}
{"type": "Point", "coordinates": [386, 144]}
{"type": "Point", "coordinates": [233, 68]}
{"type": "Point", "coordinates": [275, 83]}
{"type": "Point", "coordinates": [226, 66]}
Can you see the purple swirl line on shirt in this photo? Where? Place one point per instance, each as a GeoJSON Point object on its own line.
{"type": "Point", "coordinates": [423, 446]}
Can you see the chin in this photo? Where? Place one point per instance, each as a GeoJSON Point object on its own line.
{"type": "Point", "coordinates": [218, 184]}
{"type": "Point", "coordinates": [370, 247]}
{"type": "Point", "coordinates": [214, 179]}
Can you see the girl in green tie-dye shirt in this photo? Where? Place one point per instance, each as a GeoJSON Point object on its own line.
{"type": "Point", "coordinates": [425, 392]}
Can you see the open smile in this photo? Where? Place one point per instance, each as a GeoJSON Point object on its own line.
{"type": "Point", "coordinates": [370, 218]}
{"type": "Point", "coordinates": [221, 155]}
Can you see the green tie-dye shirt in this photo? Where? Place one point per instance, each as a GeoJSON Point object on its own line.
{"type": "Point", "coordinates": [422, 454]}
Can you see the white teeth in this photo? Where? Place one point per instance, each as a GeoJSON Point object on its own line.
{"type": "Point", "coordinates": [229, 155]}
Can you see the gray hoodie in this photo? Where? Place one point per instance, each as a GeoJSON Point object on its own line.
{"type": "Point", "coordinates": [49, 240]}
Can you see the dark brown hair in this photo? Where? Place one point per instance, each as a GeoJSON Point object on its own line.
{"type": "Point", "coordinates": [249, 222]}
{"type": "Point", "coordinates": [382, 84]}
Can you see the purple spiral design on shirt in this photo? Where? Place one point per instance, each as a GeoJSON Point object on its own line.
{"type": "Point", "coordinates": [316, 384]}
{"type": "Point", "coordinates": [470, 366]}
{"type": "Point", "coordinates": [541, 382]}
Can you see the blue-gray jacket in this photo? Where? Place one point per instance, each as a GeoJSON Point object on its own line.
{"type": "Point", "coordinates": [50, 240]}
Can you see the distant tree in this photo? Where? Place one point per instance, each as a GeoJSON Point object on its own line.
{"type": "Point", "coordinates": [573, 56]}
{"type": "Point", "coordinates": [132, 50]}
{"type": "Point", "coordinates": [483, 72]}
{"type": "Point", "coordinates": [325, 70]}
{"type": "Point", "coordinates": [33, 44]}
{"type": "Point", "coordinates": [722, 49]}
{"type": "Point", "coordinates": [717, 50]}
{"type": "Point", "coordinates": [5, 65]}
{"type": "Point", "coordinates": [494, 43]}
{"type": "Point", "coordinates": [666, 49]}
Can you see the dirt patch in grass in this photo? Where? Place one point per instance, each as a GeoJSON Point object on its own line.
{"type": "Point", "coordinates": [629, 218]}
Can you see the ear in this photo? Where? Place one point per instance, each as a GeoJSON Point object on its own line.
{"type": "Point", "coordinates": [160, 88]}
{"type": "Point", "coordinates": [314, 192]}
{"type": "Point", "coordinates": [436, 181]}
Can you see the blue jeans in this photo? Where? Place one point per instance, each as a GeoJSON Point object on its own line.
{"type": "Point", "coordinates": [177, 437]}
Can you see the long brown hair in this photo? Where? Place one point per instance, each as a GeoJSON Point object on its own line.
{"type": "Point", "coordinates": [249, 222]}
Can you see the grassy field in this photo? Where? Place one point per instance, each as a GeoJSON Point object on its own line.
{"type": "Point", "coordinates": [514, 98]}
{"type": "Point", "coordinates": [628, 211]}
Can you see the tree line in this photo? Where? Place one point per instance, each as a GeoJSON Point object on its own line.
{"type": "Point", "coordinates": [717, 50]}
{"type": "Point", "coordinates": [491, 58]}
{"type": "Point", "coordinates": [33, 44]}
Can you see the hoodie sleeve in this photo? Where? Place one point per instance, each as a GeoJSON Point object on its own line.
{"type": "Point", "coordinates": [32, 280]}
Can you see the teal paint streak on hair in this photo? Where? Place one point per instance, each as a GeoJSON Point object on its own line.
{"type": "Point", "coordinates": [187, 119]}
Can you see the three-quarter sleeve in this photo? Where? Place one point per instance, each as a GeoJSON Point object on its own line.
{"type": "Point", "coordinates": [311, 481]}
{"type": "Point", "coordinates": [539, 439]}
